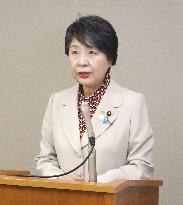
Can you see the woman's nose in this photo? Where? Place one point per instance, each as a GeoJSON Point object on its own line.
{"type": "Point", "coordinates": [83, 60]}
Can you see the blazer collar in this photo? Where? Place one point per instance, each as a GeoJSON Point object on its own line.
{"type": "Point", "coordinates": [111, 101]}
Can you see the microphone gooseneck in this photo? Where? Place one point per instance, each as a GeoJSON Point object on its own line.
{"type": "Point", "coordinates": [91, 138]}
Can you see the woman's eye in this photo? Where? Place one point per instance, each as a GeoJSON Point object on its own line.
{"type": "Point", "coordinates": [74, 52]}
{"type": "Point", "coordinates": [91, 52]}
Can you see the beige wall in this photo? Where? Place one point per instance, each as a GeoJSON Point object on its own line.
{"type": "Point", "coordinates": [33, 65]}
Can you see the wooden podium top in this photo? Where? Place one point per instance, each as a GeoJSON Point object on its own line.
{"type": "Point", "coordinates": [112, 187]}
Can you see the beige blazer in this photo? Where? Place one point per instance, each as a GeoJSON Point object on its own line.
{"type": "Point", "coordinates": [123, 145]}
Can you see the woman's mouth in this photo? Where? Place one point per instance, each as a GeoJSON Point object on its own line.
{"type": "Point", "coordinates": [84, 74]}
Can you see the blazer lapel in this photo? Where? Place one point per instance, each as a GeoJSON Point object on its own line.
{"type": "Point", "coordinates": [69, 117]}
{"type": "Point", "coordinates": [111, 101]}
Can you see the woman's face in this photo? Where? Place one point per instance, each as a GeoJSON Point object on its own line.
{"type": "Point", "coordinates": [88, 65]}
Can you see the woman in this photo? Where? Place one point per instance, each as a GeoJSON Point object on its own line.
{"type": "Point", "coordinates": [119, 116]}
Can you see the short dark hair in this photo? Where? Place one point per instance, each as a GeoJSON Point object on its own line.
{"type": "Point", "coordinates": [94, 31]}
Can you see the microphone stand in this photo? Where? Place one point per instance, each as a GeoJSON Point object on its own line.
{"type": "Point", "coordinates": [91, 143]}
{"type": "Point", "coordinates": [92, 163]}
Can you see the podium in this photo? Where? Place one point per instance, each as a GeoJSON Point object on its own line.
{"type": "Point", "coordinates": [34, 191]}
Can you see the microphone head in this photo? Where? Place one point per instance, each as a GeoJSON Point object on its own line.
{"type": "Point", "coordinates": [85, 109]}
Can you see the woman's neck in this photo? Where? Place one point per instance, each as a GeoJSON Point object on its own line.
{"type": "Point", "coordinates": [88, 91]}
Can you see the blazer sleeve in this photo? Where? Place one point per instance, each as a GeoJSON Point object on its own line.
{"type": "Point", "coordinates": [47, 161]}
{"type": "Point", "coordinates": [139, 158]}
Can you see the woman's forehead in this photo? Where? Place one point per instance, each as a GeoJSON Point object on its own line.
{"type": "Point", "coordinates": [75, 43]}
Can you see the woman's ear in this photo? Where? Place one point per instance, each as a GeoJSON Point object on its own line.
{"type": "Point", "coordinates": [108, 71]}
{"type": "Point", "coordinates": [110, 63]}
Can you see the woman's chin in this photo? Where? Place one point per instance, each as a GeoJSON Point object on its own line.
{"type": "Point", "coordinates": [85, 82]}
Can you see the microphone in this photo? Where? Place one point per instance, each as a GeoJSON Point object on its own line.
{"type": "Point", "coordinates": [91, 137]}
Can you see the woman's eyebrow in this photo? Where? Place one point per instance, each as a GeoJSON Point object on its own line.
{"type": "Point", "coordinates": [74, 46]}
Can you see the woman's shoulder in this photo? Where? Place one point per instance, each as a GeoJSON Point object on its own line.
{"type": "Point", "coordinates": [64, 95]}
{"type": "Point", "coordinates": [127, 96]}
{"type": "Point", "coordinates": [126, 92]}
{"type": "Point", "coordinates": [67, 91]}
